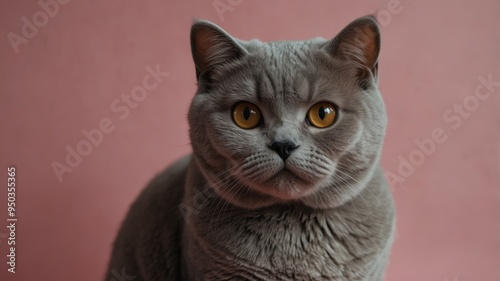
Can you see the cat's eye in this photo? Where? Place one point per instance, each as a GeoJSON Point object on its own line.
{"type": "Point", "coordinates": [246, 115]}
{"type": "Point", "coordinates": [322, 114]}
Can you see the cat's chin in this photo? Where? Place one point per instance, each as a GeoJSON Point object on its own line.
{"type": "Point", "coordinates": [284, 186]}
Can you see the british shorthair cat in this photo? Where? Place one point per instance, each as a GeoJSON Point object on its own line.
{"type": "Point", "coordinates": [284, 182]}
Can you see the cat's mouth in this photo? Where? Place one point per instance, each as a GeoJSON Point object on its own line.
{"type": "Point", "coordinates": [286, 184]}
{"type": "Point", "coordinates": [287, 172]}
{"type": "Point", "coordinates": [289, 180]}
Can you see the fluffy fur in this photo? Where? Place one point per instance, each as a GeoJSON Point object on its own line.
{"type": "Point", "coordinates": [235, 210]}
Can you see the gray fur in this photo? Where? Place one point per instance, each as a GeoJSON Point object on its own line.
{"type": "Point", "coordinates": [230, 211]}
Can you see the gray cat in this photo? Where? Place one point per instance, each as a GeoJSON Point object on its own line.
{"type": "Point", "coordinates": [284, 182]}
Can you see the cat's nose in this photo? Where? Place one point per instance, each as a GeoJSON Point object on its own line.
{"type": "Point", "coordinates": [284, 149]}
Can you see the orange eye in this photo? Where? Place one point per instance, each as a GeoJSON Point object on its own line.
{"type": "Point", "coordinates": [246, 115]}
{"type": "Point", "coordinates": [321, 115]}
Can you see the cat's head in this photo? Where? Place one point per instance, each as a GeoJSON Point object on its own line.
{"type": "Point", "coordinates": [288, 121]}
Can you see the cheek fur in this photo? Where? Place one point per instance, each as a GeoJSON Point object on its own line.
{"type": "Point", "coordinates": [311, 164]}
{"type": "Point", "coordinates": [339, 139]}
{"type": "Point", "coordinates": [259, 166]}
{"type": "Point", "coordinates": [237, 143]}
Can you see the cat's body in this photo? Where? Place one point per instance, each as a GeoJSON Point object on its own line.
{"type": "Point", "coordinates": [275, 243]}
{"type": "Point", "coordinates": [277, 199]}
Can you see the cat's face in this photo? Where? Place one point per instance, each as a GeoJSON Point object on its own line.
{"type": "Point", "coordinates": [287, 121]}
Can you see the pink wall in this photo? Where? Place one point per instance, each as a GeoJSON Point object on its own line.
{"type": "Point", "coordinates": [68, 75]}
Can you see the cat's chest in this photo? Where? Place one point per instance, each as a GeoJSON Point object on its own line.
{"type": "Point", "coordinates": [287, 246]}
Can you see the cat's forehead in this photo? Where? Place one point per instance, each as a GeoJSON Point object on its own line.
{"type": "Point", "coordinates": [284, 74]}
{"type": "Point", "coordinates": [283, 56]}
{"type": "Point", "coordinates": [283, 70]}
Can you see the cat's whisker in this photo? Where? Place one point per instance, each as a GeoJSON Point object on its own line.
{"type": "Point", "coordinates": [212, 191]}
{"type": "Point", "coordinates": [223, 186]}
{"type": "Point", "coordinates": [367, 188]}
{"type": "Point", "coordinates": [354, 187]}
{"type": "Point", "coordinates": [334, 188]}
{"type": "Point", "coordinates": [239, 187]}
{"type": "Point", "coordinates": [231, 187]}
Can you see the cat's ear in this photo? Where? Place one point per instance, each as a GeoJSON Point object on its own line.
{"type": "Point", "coordinates": [212, 46]}
{"type": "Point", "coordinates": [358, 44]}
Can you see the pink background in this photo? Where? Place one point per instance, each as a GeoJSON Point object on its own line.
{"type": "Point", "coordinates": [66, 77]}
